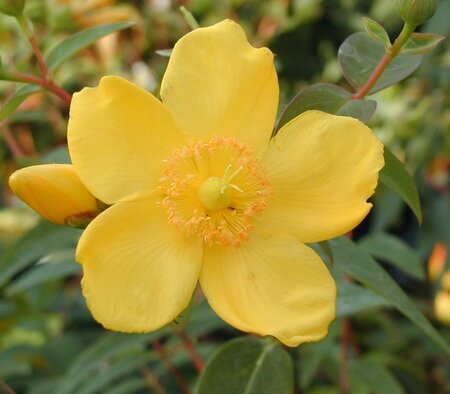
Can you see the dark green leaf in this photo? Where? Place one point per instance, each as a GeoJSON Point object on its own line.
{"type": "Point", "coordinates": [359, 55]}
{"type": "Point", "coordinates": [55, 266]}
{"type": "Point", "coordinates": [393, 250]}
{"type": "Point", "coordinates": [323, 97]}
{"type": "Point", "coordinates": [81, 40]}
{"type": "Point", "coordinates": [248, 366]}
{"type": "Point", "coordinates": [359, 109]}
{"type": "Point", "coordinates": [421, 42]}
{"type": "Point", "coordinates": [395, 176]}
{"type": "Point", "coordinates": [356, 263]}
{"type": "Point", "coordinates": [129, 386]}
{"type": "Point", "coordinates": [379, 379]}
{"type": "Point", "coordinates": [40, 241]}
{"type": "Point", "coordinates": [18, 98]}
{"type": "Point", "coordinates": [377, 32]}
{"type": "Point", "coordinates": [353, 298]}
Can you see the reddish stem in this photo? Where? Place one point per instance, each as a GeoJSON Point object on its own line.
{"type": "Point", "coordinates": [179, 379]}
{"type": "Point", "coordinates": [193, 353]}
{"type": "Point", "coordinates": [38, 54]}
{"type": "Point", "coordinates": [393, 51]}
{"type": "Point", "coordinates": [13, 146]}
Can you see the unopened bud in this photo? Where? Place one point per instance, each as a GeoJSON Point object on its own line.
{"type": "Point", "coordinates": [12, 7]}
{"type": "Point", "coordinates": [442, 307]}
{"type": "Point", "coordinates": [416, 12]}
{"type": "Point", "coordinates": [445, 282]}
{"type": "Point", "coordinates": [55, 192]}
{"type": "Point", "coordinates": [436, 262]}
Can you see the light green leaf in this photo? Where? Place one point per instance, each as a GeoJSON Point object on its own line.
{"type": "Point", "coordinates": [83, 39]}
{"type": "Point", "coordinates": [359, 55]}
{"type": "Point", "coordinates": [393, 250]}
{"type": "Point", "coordinates": [420, 43]}
{"type": "Point", "coordinates": [129, 386]}
{"type": "Point", "coordinates": [18, 98]}
{"type": "Point", "coordinates": [376, 31]}
{"type": "Point", "coordinates": [248, 366]}
{"type": "Point", "coordinates": [164, 52]}
{"type": "Point", "coordinates": [359, 109]}
{"type": "Point", "coordinates": [359, 265]}
{"type": "Point", "coordinates": [395, 176]}
{"type": "Point", "coordinates": [353, 298]}
{"type": "Point", "coordinates": [56, 266]}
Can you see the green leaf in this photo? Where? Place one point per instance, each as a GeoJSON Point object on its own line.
{"type": "Point", "coordinates": [377, 378]}
{"type": "Point", "coordinates": [395, 176]}
{"type": "Point", "coordinates": [81, 40]}
{"type": "Point", "coordinates": [323, 97]}
{"type": "Point", "coordinates": [355, 262]}
{"type": "Point", "coordinates": [248, 366]}
{"type": "Point", "coordinates": [40, 241]}
{"type": "Point", "coordinates": [55, 266]}
{"type": "Point", "coordinates": [18, 98]}
{"type": "Point", "coordinates": [420, 43]}
{"type": "Point", "coordinates": [376, 31]}
{"type": "Point", "coordinates": [359, 109]}
{"type": "Point", "coordinates": [108, 347]}
{"type": "Point", "coordinates": [359, 55]}
{"type": "Point", "coordinates": [393, 250]}
{"type": "Point", "coordinates": [164, 52]}
{"type": "Point", "coordinates": [353, 298]}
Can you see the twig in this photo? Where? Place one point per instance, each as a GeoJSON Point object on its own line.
{"type": "Point", "coordinates": [40, 59]}
{"type": "Point", "coordinates": [6, 387]}
{"type": "Point", "coordinates": [385, 61]}
{"type": "Point", "coordinates": [179, 379]}
{"type": "Point", "coordinates": [13, 145]}
{"type": "Point", "coordinates": [191, 349]}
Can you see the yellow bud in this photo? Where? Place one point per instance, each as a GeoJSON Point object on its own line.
{"type": "Point", "coordinates": [55, 192]}
{"type": "Point", "coordinates": [12, 7]}
{"type": "Point", "coordinates": [416, 12]}
{"type": "Point", "coordinates": [442, 307]}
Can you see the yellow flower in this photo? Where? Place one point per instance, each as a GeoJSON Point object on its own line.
{"type": "Point", "coordinates": [201, 192]}
{"type": "Point", "coordinates": [55, 192]}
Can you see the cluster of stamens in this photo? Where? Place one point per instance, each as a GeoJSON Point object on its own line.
{"type": "Point", "coordinates": [214, 189]}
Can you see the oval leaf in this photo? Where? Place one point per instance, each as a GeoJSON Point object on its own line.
{"type": "Point", "coordinates": [250, 366]}
{"type": "Point", "coordinates": [359, 109]}
{"type": "Point", "coordinates": [395, 176]}
{"type": "Point", "coordinates": [359, 55]}
{"type": "Point", "coordinates": [358, 264]}
{"type": "Point", "coordinates": [323, 97]}
{"type": "Point", "coordinates": [421, 42]}
{"type": "Point", "coordinates": [376, 31]}
{"type": "Point", "coordinates": [81, 40]}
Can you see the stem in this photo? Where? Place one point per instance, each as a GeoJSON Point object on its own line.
{"type": "Point", "coordinates": [13, 146]}
{"type": "Point", "coordinates": [45, 83]}
{"type": "Point", "coordinates": [384, 62]}
{"type": "Point", "coordinates": [190, 348]}
{"type": "Point", "coordinates": [179, 379]}
{"type": "Point", "coordinates": [37, 52]}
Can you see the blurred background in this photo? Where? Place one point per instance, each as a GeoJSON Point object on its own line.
{"type": "Point", "coordinates": [48, 341]}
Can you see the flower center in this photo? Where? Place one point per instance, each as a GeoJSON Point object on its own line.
{"type": "Point", "coordinates": [213, 190]}
{"type": "Point", "coordinates": [216, 193]}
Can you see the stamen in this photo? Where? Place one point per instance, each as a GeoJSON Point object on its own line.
{"type": "Point", "coordinates": [198, 204]}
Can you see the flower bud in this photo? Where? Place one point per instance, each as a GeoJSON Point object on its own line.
{"type": "Point", "coordinates": [442, 307]}
{"type": "Point", "coordinates": [445, 281]}
{"type": "Point", "coordinates": [55, 192]}
{"type": "Point", "coordinates": [416, 12]}
{"type": "Point", "coordinates": [12, 7]}
{"type": "Point", "coordinates": [436, 262]}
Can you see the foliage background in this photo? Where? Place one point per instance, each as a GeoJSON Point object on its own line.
{"type": "Point", "coordinates": [48, 340]}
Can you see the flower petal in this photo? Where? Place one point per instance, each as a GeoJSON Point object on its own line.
{"type": "Point", "coordinates": [322, 168]}
{"type": "Point", "coordinates": [118, 135]}
{"type": "Point", "coordinates": [139, 274]}
{"type": "Point", "coordinates": [54, 191]}
{"type": "Point", "coordinates": [271, 285]}
{"type": "Point", "coordinates": [218, 84]}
